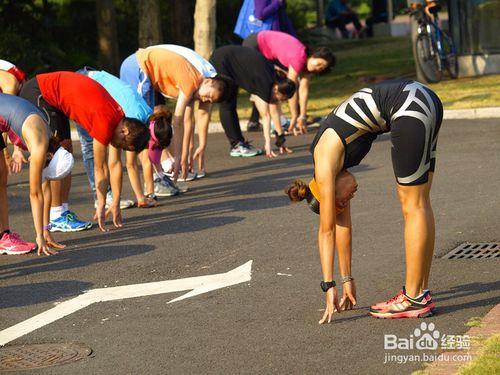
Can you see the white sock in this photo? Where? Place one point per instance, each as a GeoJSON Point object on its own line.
{"type": "Point", "coordinates": [55, 212]}
{"type": "Point", "coordinates": [65, 207]}
{"type": "Point", "coordinates": [421, 295]}
{"type": "Point", "coordinates": [167, 164]}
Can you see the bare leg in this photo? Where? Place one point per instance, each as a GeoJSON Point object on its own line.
{"type": "Point", "coordinates": [4, 202]}
{"type": "Point", "coordinates": [61, 189]}
{"type": "Point", "coordinates": [147, 171]}
{"type": "Point", "coordinates": [134, 176]}
{"type": "Point", "coordinates": [56, 191]}
{"type": "Point", "coordinates": [419, 235]}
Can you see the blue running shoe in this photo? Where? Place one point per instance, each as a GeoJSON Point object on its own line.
{"type": "Point", "coordinates": [69, 222]}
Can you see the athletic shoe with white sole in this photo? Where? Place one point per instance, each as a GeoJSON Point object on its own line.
{"type": "Point", "coordinates": [12, 244]}
{"type": "Point", "coordinates": [190, 177]}
{"type": "Point", "coordinates": [165, 187]}
{"type": "Point", "coordinates": [402, 306]}
{"type": "Point", "coordinates": [69, 222]}
{"type": "Point", "coordinates": [245, 150]}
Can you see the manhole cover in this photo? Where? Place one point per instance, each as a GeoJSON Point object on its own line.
{"type": "Point", "coordinates": [22, 357]}
{"type": "Point", "coordinates": [481, 250]}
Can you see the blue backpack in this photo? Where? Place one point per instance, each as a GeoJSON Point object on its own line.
{"type": "Point", "coordinates": [247, 22]}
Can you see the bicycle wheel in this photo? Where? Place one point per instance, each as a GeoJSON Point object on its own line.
{"type": "Point", "coordinates": [450, 53]}
{"type": "Point", "coordinates": [428, 59]}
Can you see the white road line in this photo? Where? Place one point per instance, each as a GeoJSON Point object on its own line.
{"type": "Point", "coordinates": [196, 285]}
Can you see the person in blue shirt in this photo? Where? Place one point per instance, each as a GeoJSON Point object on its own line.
{"type": "Point", "coordinates": [339, 14]}
{"type": "Point", "coordinates": [134, 106]}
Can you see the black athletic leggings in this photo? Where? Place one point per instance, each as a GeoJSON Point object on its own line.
{"type": "Point", "coordinates": [229, 118]}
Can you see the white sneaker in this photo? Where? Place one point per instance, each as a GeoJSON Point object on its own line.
{"type": "Point", "coordinates": [245, 150]}
{"type": "Point", "coordinates": [164, 187]}
{"type": "Point", "coordinates": [190, 177]}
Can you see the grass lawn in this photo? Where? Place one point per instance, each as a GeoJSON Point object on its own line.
{"type": "Point", "coordinates": [488, 361]}
{"type": "Point", "coordinates": [360, 62]}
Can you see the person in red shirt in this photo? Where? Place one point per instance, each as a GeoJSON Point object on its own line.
{"type": "Point", "coordinates": [60, 95]}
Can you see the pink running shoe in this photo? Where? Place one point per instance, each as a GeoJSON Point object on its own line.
{"type": "Point", "coordinates": [402, 306]}
{"type": "Point", "coordinates": [384, 305]}
{"type": "Point", "coordinates": [12, 244]}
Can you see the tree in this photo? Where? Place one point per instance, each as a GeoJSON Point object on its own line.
{"type": "Point", "coordinates": [109, 58]}
{"type": "Point", "coordinates": [320, 12]}
{"type": "Point", "coordinates": [204, 27]}
{"type": "Point", "coordinates": [149, 23]}
{"type": "Point", "coordinates": [180, 31]}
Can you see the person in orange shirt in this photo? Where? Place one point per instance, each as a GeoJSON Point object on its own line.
{"type": "Point", "coordinates": [159, 69]}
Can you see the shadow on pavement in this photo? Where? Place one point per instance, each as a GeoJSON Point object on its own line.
{"type": "Point", "coordinates": [32, 294]}
{"type": "Point", "coordinates": [461, 291]}
{"type": "Point", "coordinates": [72, 258]}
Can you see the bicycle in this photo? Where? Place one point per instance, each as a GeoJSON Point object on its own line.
{"type": "Point", "coordinates": [435, 50]}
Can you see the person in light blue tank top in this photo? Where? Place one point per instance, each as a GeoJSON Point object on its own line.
{"type": "Point", "coordinates": [131, 102]}
{"type": "Point", "coordinates": [27, 129]}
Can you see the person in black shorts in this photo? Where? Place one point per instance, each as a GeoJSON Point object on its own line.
{"type": "Point", "coordinates": [251, 71]}
{"type": "Point", "coordinates": [412, 113]}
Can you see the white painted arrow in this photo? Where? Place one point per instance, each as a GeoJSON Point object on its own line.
{"type": "Point", "coordinates": [196, 285]}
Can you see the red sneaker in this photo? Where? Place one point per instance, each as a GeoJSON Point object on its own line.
{"type": "Point", "coordinates": [402, 306]}
{"type": "Point", "coordinates": [12, 244]}
{"type": "Point", "coordinates": [386, 304]}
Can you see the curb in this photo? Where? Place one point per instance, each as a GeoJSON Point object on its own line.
{"type": "Point", "coordinates": [450, 114]}
{"type": "Point", "coordinates": [490, 324]}
{"type": "Point", "coordinates": [472, 114]}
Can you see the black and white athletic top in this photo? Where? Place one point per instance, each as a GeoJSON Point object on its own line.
{"type": "Point", "coordinates": [407, 109]}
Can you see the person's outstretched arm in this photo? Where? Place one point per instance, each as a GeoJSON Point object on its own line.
{"type": "Point", "coordinates": [101, 181]}
{"type": "Point", "coordinates": [115, 178]}
{"type": "Point", "coordinates": [181, 160]}
{"type": "Point", "coordinates": [203, 121]}
{"type": "Point", "coordinates": [188, 132]}
{"type": "Point", "coordinates": [293, 102]}
{"type": "Point", "coordinates": [343, 245]}
{"type": "Point", "coordinates": [263, 109]}
{"type": "Point", "coordinates": [266, 8]}
{"type": "Point", "coordinates": [327, 157]}
{"type": "Point", "coordinates": [38, 149]}
{"type": "Point", "coordinates": [303, 98]}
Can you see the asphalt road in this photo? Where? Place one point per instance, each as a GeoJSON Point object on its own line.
{"type": "Point", "coordinates": [239, 213]}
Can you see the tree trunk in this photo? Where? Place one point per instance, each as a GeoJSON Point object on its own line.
{"type": "Point", "coordinates": [320, 13]}
{"type": "Point", "coordinates": [180, 31]}
{"type": "Point", "coordinates": [109, 58]}
{"type": "Point", "coordinates": [204, 27]}
{"type": "Point", "coordinates": [149, 23]}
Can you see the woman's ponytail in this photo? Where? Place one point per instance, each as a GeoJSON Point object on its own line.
{"type": "Point", "coordinates": [298, 191]}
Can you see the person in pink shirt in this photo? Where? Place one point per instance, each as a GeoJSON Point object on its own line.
{"type": "Point", "coordinates": [298, 61]}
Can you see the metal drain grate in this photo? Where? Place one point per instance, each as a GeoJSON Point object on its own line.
{"type": "Point", "coordinates": [479, 250]}
{"type": "Point", "coordinates": [23, 357]}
